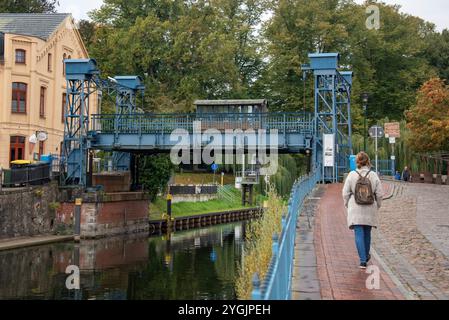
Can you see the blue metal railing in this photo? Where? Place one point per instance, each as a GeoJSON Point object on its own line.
{"type": "Point", "coordinates": [278, 281]}
{"type": "Point", "coordinates": [141, 123]}
{"type": "Point", "coordinates": [386, 167]}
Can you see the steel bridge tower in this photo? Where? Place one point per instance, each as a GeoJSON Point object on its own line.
{"type": "Point", "coordinates": [332, 115]}
{"type": "Point", "coordinates": [82, 76]}
{"type": "Point", "coordinates": [125, 106]}
{"type": "Point", "coordinates": [80, 85]}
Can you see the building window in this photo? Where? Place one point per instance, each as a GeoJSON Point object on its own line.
{"type": "Point", "coordinates": [17, 148]}
{"type": "Point", "coordinates": [42, 102]}
{"type": "Point", "coordinates": [49, 62]}
{"type": "Point", "coordinates": [64, 57]}
{"type": "Point", "coordinates": [19, 97]}
{"type": "Point", "coordinates": [63, 108]}
{"type": "Point", "coordinates": [41, 149]}
{"type": "Point", "coordinates": [21, 56]}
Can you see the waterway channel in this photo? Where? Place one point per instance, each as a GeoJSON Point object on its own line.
{"type": "Point", "coordinates": [193, 264]}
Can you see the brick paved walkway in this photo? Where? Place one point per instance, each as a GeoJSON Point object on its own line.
{"type": "Point", "coordinates": [337, 259]}
{"type": "Point", "coordinates": [413, 239]}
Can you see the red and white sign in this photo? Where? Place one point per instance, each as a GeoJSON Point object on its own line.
{"type": "Point", "coordinates": [393, 129]}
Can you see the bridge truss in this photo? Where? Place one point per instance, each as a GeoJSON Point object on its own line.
{"type": "Point", "coordinates": [83, 80]}
{"type": "Point", "coordinates": [332, 114]}
{"type": "Point", "coordinates": [131, 131]}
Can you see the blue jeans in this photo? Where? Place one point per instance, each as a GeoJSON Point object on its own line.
{"type": "Point", "coordinates": [363, 241]}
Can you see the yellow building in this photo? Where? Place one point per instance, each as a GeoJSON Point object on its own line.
{"type": "Point", "coordinates": [32, 82]}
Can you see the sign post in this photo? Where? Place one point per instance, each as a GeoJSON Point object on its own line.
{"type": "Point", "coordinates": [392, 132]}
{"type": "Point", "coordinates": [78, 204]}
{"type": "Point", "coordinates": [376, 132]}
{"type": "Point", "coordinates": [214, 167]}
{"type": "Point", "coordinates": [329, 154]}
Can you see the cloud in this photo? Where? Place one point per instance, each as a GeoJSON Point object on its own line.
{"type": "Point", "coordinates": [430, 10]}
{"type": "Point", "coordinates": [79, 8]}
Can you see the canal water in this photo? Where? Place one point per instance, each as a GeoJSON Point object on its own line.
{"type": "Point", "coordinates": [193, 264]}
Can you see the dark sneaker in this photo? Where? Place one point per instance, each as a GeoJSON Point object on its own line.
{"type": "Point", "coordinates": [363, 265]}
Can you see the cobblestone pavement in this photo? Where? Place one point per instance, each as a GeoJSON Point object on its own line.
{"type": "Point", "coordinates": [413, 239]}
{"type": "Point", "coordinates": [336, 256]}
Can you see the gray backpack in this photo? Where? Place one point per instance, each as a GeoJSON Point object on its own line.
{"type": "Point", "coordinates": [363, 193]}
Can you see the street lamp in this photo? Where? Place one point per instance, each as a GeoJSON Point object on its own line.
{"type": "Point", "coordinates": [365, 107]}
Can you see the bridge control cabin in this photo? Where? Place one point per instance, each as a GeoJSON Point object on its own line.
{"type": "Point", "coordinates": [231, 114]}
{"type": "Point", "coordinates": [231, 106]}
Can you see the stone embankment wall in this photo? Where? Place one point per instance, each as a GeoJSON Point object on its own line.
{"type": "Point", "coordinates": [44, 210]}
{"type": "Point", "coordinates": [28, 211]}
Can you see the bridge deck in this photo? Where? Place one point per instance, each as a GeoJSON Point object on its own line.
{"type": "Point", "coordinates": [291, 132]}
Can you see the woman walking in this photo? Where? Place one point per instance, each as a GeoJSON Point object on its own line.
{"type": "Point", "coordinates": [362, 194]}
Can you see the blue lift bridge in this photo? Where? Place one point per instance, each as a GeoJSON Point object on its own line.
{"type": "Point", "coordinates": [131, 131]}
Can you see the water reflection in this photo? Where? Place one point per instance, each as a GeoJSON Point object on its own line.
{"type": "Point", "coordinates": [195, 264]}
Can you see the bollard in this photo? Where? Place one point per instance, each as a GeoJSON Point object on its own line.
{"type": "Point", "coordinates": [275, 246]}
{"type": "Point", "coordinates": [169, 199]}
{"type": "Point", "coordinates": [256, 293]}
{"type": "Point", "coordinates": [78, 204]}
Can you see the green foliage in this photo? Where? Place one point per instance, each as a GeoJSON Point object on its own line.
{"type": "Point", "coordinates": [186, 50]}
{"type": "Point", "coordinates": [53, 206]}
{"type": "Point", "coordinates": [290, 167]}
{"type": "Point", "coordinates": [28, 6]}
{"type": "Point", "coordinates": [438, 53]}
{"type": "Point", "coordinates": [87, 31]}
{"type": "Point", "coordinates": [155, 172]}
{"type": "Point", "coordinates": [389, 63]}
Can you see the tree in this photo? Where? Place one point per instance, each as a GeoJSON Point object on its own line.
{"type": "Point", "coordinates": [87, 31]}
{"type": "Point", "coordinates": [388, 63]}
{"type": "Point", "coordinates": [428, 119]}
{"type": "Point", "coordinates": [438, 53]}
{"type": "Point", "coordinates": [28, 6]}
{"type": "Point", "coordinates": [155, 172]}
{"type": "Point", "coordinates": [184, 49]}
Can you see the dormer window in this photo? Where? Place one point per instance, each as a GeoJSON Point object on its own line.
{"type": "Point", "coordinates": [20, 56]}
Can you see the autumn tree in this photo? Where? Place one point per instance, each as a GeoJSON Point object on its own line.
{"type": "Point", "coordinates": [428, 119]}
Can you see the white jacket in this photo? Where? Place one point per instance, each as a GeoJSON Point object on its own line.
{"type": "Point", "coordinates": [362, 214]}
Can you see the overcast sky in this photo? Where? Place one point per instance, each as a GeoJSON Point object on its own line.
{"type": "Point", "coordinates": [435, 11]}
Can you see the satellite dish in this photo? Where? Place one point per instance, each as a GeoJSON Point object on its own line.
{"type": "Point", "coordinates": [42, 136]}
{"type": "Point", "coordinates": [33, 139]}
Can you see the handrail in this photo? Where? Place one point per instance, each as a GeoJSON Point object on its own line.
{"type": "Point", "coordinates": [278, 281]}
{"type": "Point", "coordinates": [156, 123]}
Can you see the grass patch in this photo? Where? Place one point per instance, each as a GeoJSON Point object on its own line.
{"type": "Point", "coordinates": [182, 209]}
